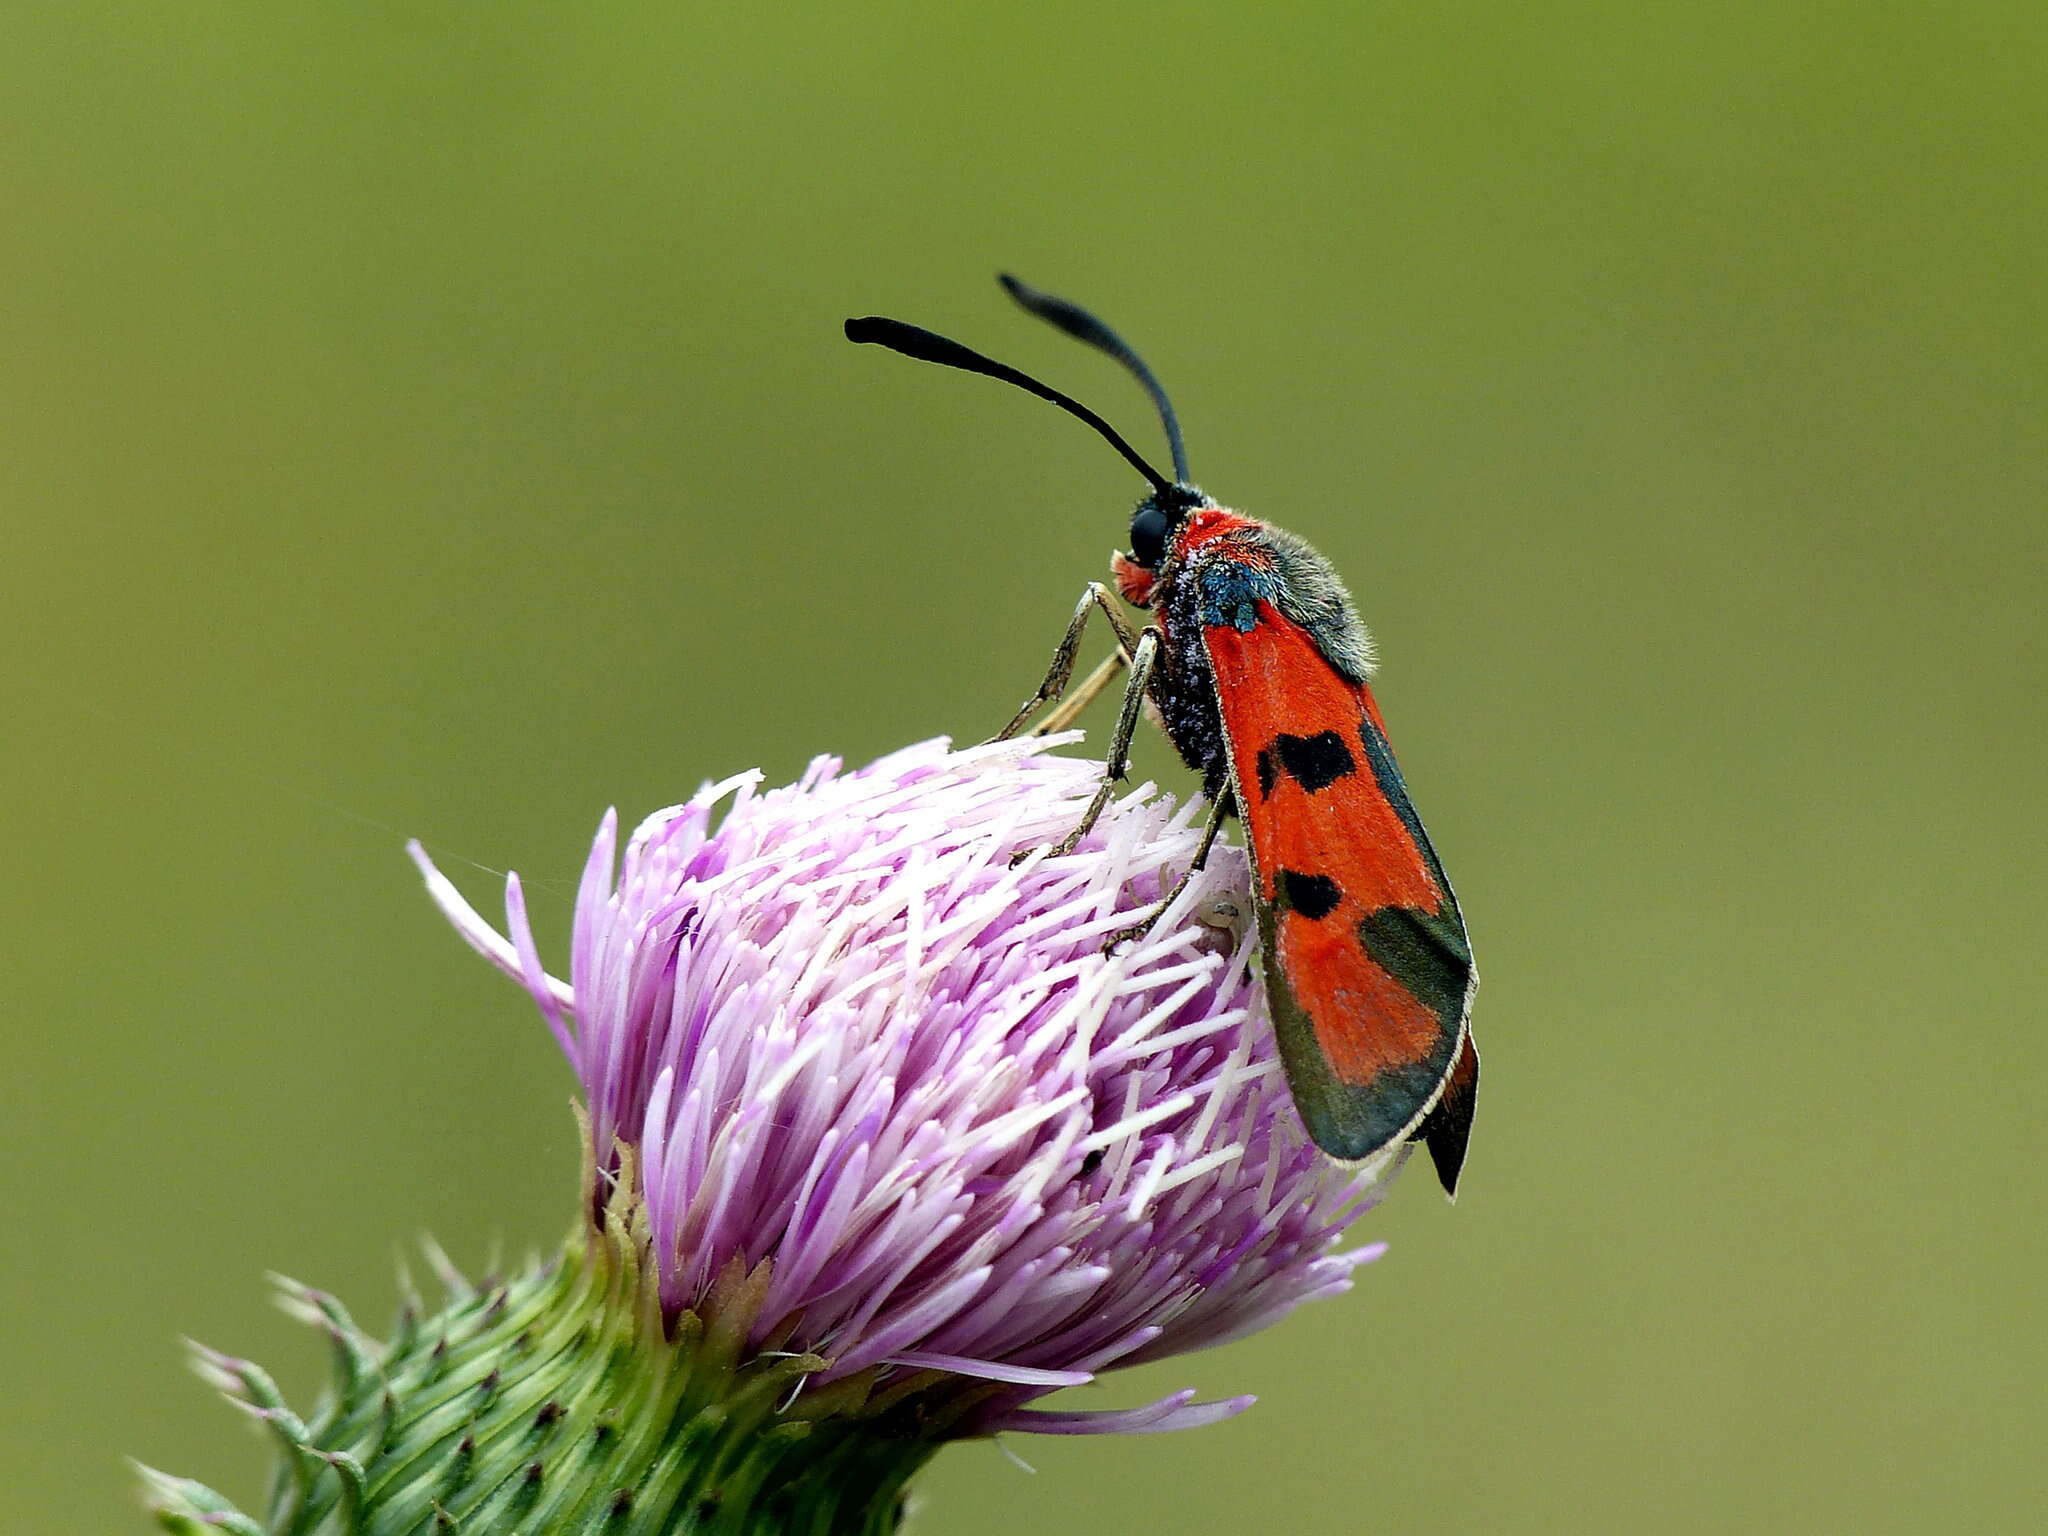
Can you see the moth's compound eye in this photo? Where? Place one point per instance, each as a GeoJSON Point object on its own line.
{"type": "Point", "coordinates": [1149, 528]}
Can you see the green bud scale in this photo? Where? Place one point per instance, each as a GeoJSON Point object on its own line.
{"type": "Point", "coordinates": [563, 1401]}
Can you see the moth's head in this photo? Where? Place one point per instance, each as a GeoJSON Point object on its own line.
{"type": "Point", "coordinates": [1154, 522]}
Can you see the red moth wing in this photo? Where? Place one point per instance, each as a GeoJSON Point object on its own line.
{"type": "Point", "coordinates": [1368, 970]}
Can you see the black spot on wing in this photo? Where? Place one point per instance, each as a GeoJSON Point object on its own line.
{"type": "Point", "coordinates": [1314, 762]}
{"type": "Point", "coordinates": [1313, 896]}
{"type": "Point", "coordinates": [1269, 773]}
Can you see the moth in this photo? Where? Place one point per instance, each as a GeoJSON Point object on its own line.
{"type": "Point", "coordinates": [1259, 670]}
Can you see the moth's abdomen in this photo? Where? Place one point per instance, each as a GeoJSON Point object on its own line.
{"type": "Point", "coordinates": [1185, 692]}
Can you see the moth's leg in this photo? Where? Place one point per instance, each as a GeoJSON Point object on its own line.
{"type": "Point", "coordinates": [1110, 665]}
{"type": "Point", "coordinates": [1070, 707]}
{"type": "Point", "coordinates": [1219, 808]}
{"type": "Point", "coordinates": [1062, 669]}
{"type": "Point", "coordinates": [1118, 764]}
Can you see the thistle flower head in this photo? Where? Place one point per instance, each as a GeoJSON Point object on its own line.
{"type": "Point", "coordinates": [837, 1032]}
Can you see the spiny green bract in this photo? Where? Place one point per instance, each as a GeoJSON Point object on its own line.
{"type": "Point", "coordinates": [562, 1401]}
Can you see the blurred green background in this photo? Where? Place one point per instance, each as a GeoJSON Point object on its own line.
{"type": "Point", "coordinates": [433, 419]}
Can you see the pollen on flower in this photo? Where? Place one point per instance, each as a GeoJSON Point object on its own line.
{"type": "Point", "coordinates": [840, 1044]}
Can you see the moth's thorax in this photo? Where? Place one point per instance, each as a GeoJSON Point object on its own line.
{"type": "Point", "coordinates": [1223, 568]}
{"type": "Point", "coordinates": [1207, 537]}
{"type": "Point", "coordinates": [1205, 525]}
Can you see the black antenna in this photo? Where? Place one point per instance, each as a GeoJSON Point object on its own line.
{"type": "Point", "coordinates": [929, 347]}
{"type": "Point", "coordinates": [1083, 326]}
